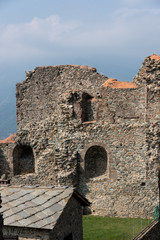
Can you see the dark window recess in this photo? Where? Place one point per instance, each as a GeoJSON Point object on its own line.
{"type": "Point", "coordinates": [5, 181]}
{"type": "Point", "coordinates": [23, 160]}
{"type": "Point", "coordinates": [69, 237]}
{"type": "Point", "coordinates": [143, 183]}
{"type": "Point", "coordinates": [95, 161]}
{"type": "Point", "coordinates": [131, 117]}
{"type": "Point", "coordinates": [5, 237]}
{"type": "Point", "coordinates": [87, 111]}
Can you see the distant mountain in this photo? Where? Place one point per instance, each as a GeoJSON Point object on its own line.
{"type": "Point", "coordinates": [8, 123]}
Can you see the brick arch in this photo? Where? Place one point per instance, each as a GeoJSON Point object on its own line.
{"type": "Point", "coordinates": [23, 160]}
{"type": "Point", "coordinates": [109, 168]}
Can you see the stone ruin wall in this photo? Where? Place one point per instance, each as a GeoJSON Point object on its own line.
{"type": "Point", "coordinates": [149, 77]}
{"type": "Point", "coordinates": [85, 115]}
{"type": "Point", "coordinates": [38, 95]}
{"type": "Point", "coordinates": [6, 161]}
{"type": "Point", "coordinates": [120, 106]}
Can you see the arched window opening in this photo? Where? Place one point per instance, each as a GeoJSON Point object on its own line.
{"type": "Point", "coordinates": [87, 111]}
{"type": "Point", "coordinates": [23, 160]}
{"type": "Point", "coordinates": [95, 161]}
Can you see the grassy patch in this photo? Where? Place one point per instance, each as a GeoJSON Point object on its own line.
{"type": "Point", "coordinates": [103, 228]}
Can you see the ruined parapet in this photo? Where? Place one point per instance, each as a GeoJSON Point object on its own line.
{"type": "Point", "coordinates": [122, 102]}
{"type": "Point", "coordinates": [149, 71]}
{"type": "Point", "coordinates": [149, 77]}
{"type": "Point", "coordinates": [38, 95]}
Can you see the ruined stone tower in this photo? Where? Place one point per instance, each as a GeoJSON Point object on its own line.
{"type": "Point", "coordinates": [77, 127]}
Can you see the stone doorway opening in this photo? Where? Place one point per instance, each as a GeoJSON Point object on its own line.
{"type": "Point", "coordinates": [23, 160]}
{"type": "Point", "coordinates": [95, 161]}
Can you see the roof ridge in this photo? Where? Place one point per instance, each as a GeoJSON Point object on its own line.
{"type": "Point", "coordinates": [37, 186]}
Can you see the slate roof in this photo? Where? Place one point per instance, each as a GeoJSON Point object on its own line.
{"type": "Point", "coordinates": [34, 207]}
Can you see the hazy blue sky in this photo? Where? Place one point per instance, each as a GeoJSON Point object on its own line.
{"type": "Point", "coordinates": [112, 35]}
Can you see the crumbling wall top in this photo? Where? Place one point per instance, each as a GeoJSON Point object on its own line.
{"type": "Point", "coordinates": [39, 94]}
{"type": "Point", "coordinates": [10, 139]}
{"type": "Point", "coordinates": [149, 72]}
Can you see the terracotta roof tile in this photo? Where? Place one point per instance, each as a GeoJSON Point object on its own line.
{"type": "Point", "coordinates": [10, 139]}
{"type": "Point", "coordinates": [113, 83]}
{"type": "Point", "coordinates": [155, 57]}
{"type": "Point", "coordinates": [84, 67]}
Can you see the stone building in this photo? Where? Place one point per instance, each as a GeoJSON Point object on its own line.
{"type": "Point", "coordinates": [46, 213]}
{"type": "Point", "coordinates": [79, 128]}
{"type": "Point", "coordinates": [1, 221]}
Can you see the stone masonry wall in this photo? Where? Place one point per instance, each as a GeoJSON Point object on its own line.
{"type": "Point", "coordinates": [37, 96]}
{"type": "Point", "coordinates": [60, 144]}
{"type": "Point", "coordinates": [72, 117]}
{"type": "Point", "coordinates": [6, 160]}
{"type": "Point", "coordinates": [123, 105]}
{"type": "Point", "coordinates": [149, 76]}
{"type": "Point", "coordinates": [1, 221]}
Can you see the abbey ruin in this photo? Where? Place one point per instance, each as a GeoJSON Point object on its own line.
{"type": "Point", "coordinates": [76, 127]}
